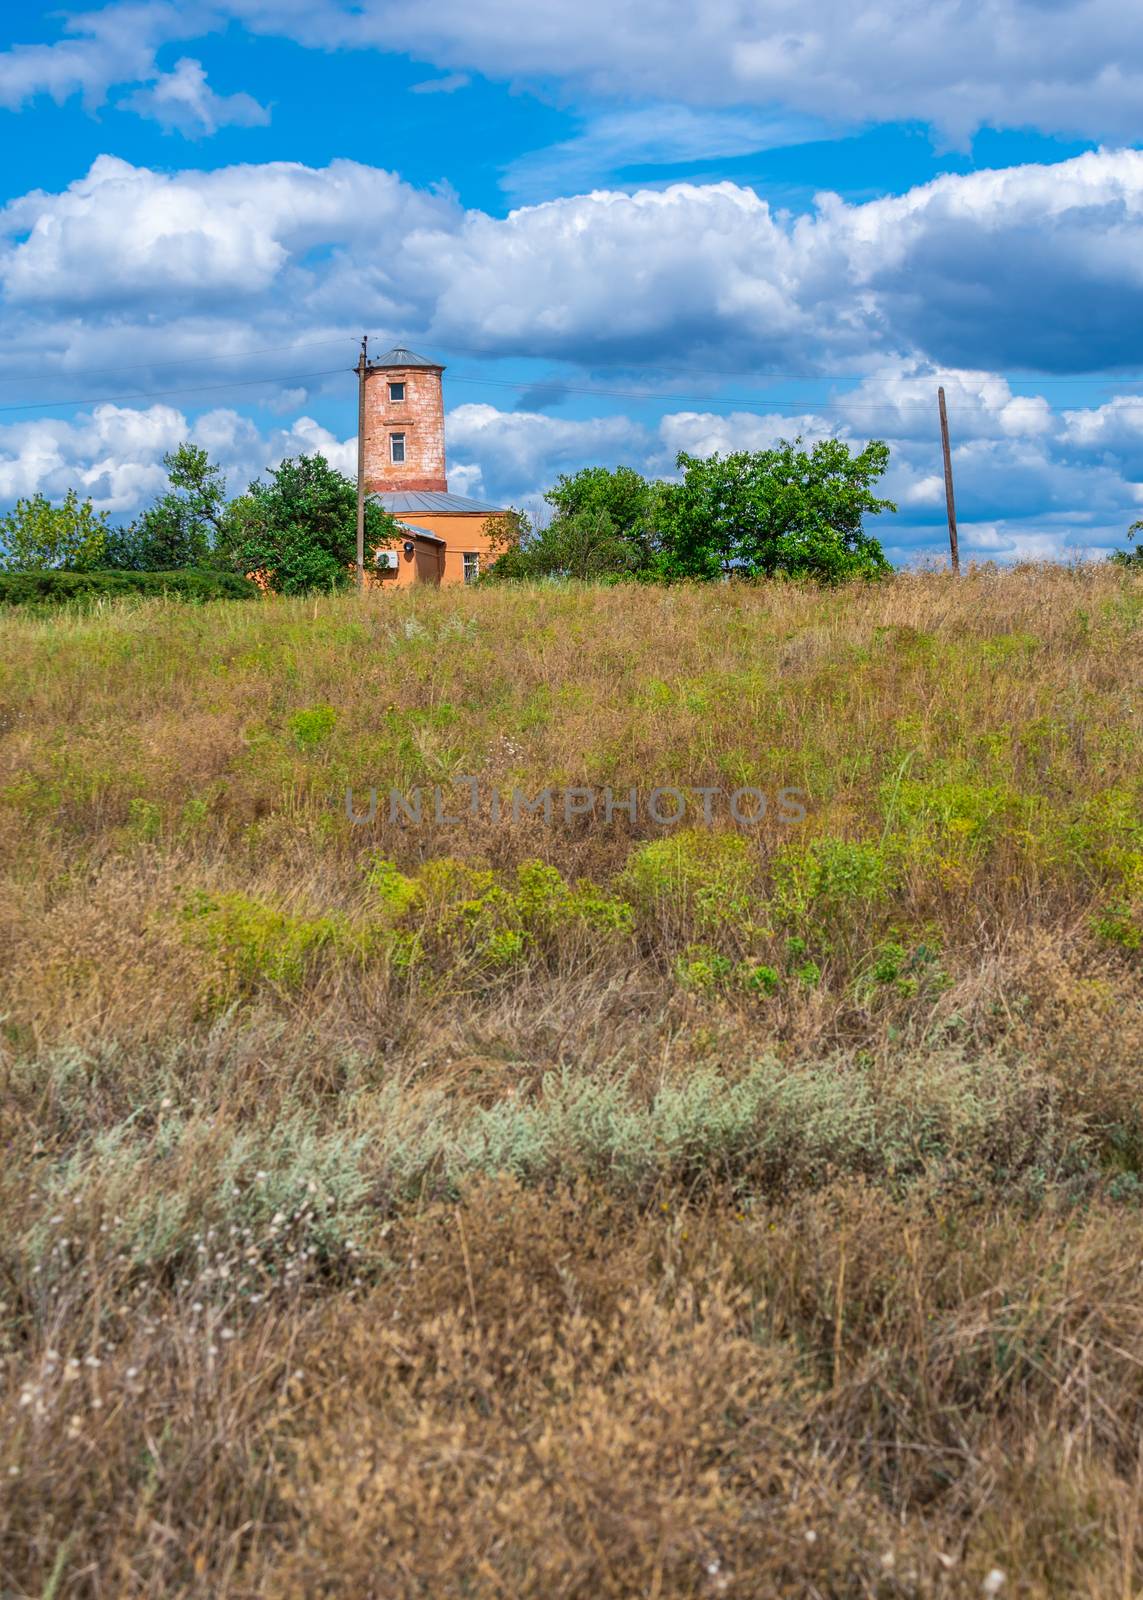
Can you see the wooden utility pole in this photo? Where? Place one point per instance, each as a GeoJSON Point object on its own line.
{"type": "Point", "coordinates": [361, 366]}
{"type": "Point", "coordinates": [950, 503]}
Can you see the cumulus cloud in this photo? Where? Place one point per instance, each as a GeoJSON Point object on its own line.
{"type": "Point", "coordinates": [123, 232]}
{"type": "Point", "coordinates": [117, 46]}
{"type": "Point", "coordinates": [183, 100]}
{"type": "Point", "coordinates": [114, 454]}
{"type": "Point", "coordinates": [112, 46]}
{"type": "Point", "coordinates": [518, 450]}
{"type": "Point", "coordinates": [703, 278]}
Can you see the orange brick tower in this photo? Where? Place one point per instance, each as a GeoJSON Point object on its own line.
{"type": "Point", "coordinates": [404, 424]}
{"type": "Point", "coordinates": [444, 538]}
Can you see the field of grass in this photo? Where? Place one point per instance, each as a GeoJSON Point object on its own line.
{"type": "Point", "coordinates": [584, 1208]}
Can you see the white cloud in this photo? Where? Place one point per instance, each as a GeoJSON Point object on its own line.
{"type": "Point", "coordinates": [699, 277]}
{"type": "Point", "coordinates": [1062, 66]}
{"type": "Point", "coordinates": [661, 135]}
{"type": "Point", "coordinates": [1071, 66]}
{"type": "Point", "coordinates": [517, 448]}
{"type": "Point", "coordinates": [183, 100]}
{"type": "Point", "coordinates": [114, 454]}
{"type": "Point", "coordinates": [1115, 427]}
{"type": "Point", "coordinates": [446, 85]}
{"type": "Point", "coordinates": [116, 45]}
{"type": "Point", "coordinates": [122, 232]}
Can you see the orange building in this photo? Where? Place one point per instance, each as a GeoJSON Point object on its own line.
{"type": "Point", "coordinates": [445, 539]}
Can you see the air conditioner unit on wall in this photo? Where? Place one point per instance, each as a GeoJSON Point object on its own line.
{"type": "Point", "coordinates": [386, 560]}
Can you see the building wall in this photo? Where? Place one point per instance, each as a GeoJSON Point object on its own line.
{"type": "Point", "coordinates": [425, 565]}
{"type": "Point", "coordinates": [420, 417]}
{"type": "Point", "coordinates": [462, 535]}
{"type": "Point", "coordinates": [431, 564]}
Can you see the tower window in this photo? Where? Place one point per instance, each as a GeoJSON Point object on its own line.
{"type": "Point", "coordinates": [396, 393]}
{"type": "Point", "coordinates": [397, 448]}
{"type": "Point", "coordinates": [471, 567]}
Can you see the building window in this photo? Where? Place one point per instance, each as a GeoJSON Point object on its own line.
{"type": "Point", "coordinates": [397, 448]}
{"type": "Point", "coordinates": [396, 393]}
{"type": "Point", "coordinates": [471, 567]}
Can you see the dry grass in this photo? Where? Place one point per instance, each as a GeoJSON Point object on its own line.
{"type": "Point", "coordinates": [584, 1210]}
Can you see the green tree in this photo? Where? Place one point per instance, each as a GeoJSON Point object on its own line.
{"type": "Point", "coordinates": [603, 530]}
{"type": "Point", "coordinates": [37, 534]}
{"type": "Point", "coordinates": [184, 525]}
{"type": "Point", "coordinates": [585, 546]}
{"type": "Point", "coordinates": [299, 528]}
{"type": "Point", "coordinates": [627, 499]}
{"type": "Point", "coordinates": [765, 512]}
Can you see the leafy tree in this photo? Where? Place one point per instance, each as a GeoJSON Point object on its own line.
{"type": "Point", "coordinates": [299, 529]}
{"type": "Point", "coordinates": [627, 499]}
{"type": "Point", "coordinates": [603, 530]}
{"type": "Point", "coordinates": [183, 526]}
{"type": "Point", "coordinates": [585, 546]}
{"type": "Point", "coordinates": [36, 535]}
{"type": "Point", "coordinates": [507, 531]}
{"type": "Point", "coordinates": [784, 510]}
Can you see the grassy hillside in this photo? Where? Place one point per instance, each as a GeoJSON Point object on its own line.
{"type": "Point", "coordinates": [589, 1207]}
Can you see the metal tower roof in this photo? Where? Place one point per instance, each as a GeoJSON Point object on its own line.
{"type": "Point", "coordinates": [400, 501]}
{"type": "Point", "coordinates": [400, 357]}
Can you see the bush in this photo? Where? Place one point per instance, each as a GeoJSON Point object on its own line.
{"type": "Point", "coordinates": [51, 587]}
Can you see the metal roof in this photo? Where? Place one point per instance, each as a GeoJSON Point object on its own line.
{"type": "Point", "coordinates": [420, 533]}
{"type": "Point", "coordinates": [400, 357]}
{"type": "Point", "coordinates": [426, 501]}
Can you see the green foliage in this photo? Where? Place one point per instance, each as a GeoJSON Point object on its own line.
{"type": "Point", "coordinates": [760, 979]}
{"type": "Point", "coordinates": [183, 525]}
{"type": "Point", "coordinates": [767, 512]}
{"type": "Point", "coordinates": [703, 968]}
{"type": "Point", "coordinates": [299, 529]}
{"type": "Point", "coordinates": [708, 875]}
{"type": "Point", "coordinates": [144, 818]}
{"type": "Point", "coordinates": [901, 969]}
{"type": "Point", "coordinates": [1133, 557]}
{"type": "Point", "coordinates": [394, 890]}
{"type": "Point", "coordinates": [259, 943]}
{"type": "Point", "coordinates": [828, 888]}
{"type": "Point", "coordinates": [585, 547]}
{"type": "Point", "coordinates": [55, 588]}
{"type": "Point", "coordinates": [1120, 924]}
{"type": "Point", "coordinates": [609, 512]}
{"type": "Point", "coordinates": [602, 530]}
{"type": "Point", "coordinates": [620, 493]}
{"type": "Point", "coordinates": [38, 536]}
{"type": "Point", "coordinates": [313, 727]}
{"type": "Point", "coordinates": [452, 912]}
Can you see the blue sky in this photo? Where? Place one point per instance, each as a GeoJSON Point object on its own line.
{"type": "Point", "coordinates": [627, 231]}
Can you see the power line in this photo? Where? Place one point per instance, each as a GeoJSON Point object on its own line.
{"type": "Point", "coordinates": [742, 402]}
{"type": "Point", "coordinates": [949, 374]}
{"type": "Point", "coordinates": [868, 380]}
